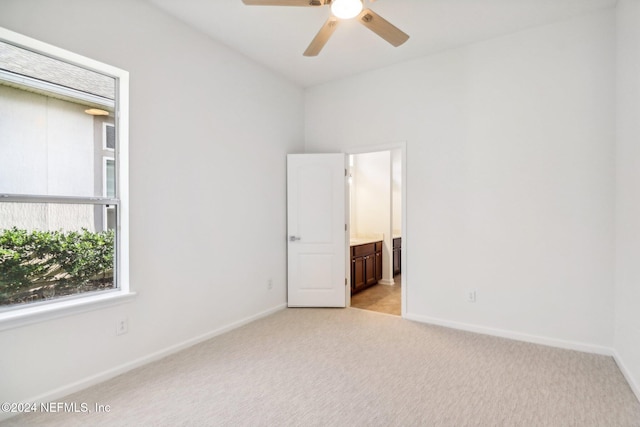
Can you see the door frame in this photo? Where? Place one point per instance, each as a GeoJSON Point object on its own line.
{"type": "Point", "coordinates": [402, 146]}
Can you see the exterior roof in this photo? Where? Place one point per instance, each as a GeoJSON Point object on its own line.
{"type": "Point", "coordinates": [34, 65]}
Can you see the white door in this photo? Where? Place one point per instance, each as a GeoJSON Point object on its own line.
{"type": "Point", "coordinates": [316, 240]}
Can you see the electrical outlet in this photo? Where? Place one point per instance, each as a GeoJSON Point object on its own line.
{"type": "Point", "coordinates": [270, 284]}
{"type": "Point", "coordinates": [471, 295]}
{"type": "Point", "coordinates": [122, 326]}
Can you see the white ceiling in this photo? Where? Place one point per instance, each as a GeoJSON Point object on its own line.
{"type": "Point", "coordinates": [276, 36]}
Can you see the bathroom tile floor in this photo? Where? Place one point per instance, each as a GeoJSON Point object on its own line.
{"type": "Point", "coordinates": [381, 298]}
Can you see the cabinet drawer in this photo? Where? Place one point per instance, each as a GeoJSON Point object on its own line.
{"type": "Point", "coordinates": [362, 250]}
{"type": "Point", "coordinates": [397, 242]}
{"type": "Point", "coordinates": [378, 246]}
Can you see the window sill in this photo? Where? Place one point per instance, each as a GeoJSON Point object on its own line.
{"type": "Point", "coordinates": [30, 315]}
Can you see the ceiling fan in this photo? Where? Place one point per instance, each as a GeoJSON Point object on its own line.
{"type": "Point", "coordinates": [341, 9]}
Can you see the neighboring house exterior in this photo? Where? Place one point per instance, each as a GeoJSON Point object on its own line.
{"type": "Point", "coordinates": [51, 144]}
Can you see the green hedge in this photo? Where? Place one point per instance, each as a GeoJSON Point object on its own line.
{"type": "Point", "coordinates": [34, 261]}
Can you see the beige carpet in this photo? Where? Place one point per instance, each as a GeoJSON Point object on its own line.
{"type": "Point", "coordinates": [348, 367]}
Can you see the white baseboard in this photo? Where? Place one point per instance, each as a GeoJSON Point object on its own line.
{"type": "Point", "coordinates": [58, 393]}
{"type": "Point", "coordinates": [635, 387]}
{"type": "Point", "coordinates": [518, 336]}
{"type": "Point", "coordinates": [388, 282]}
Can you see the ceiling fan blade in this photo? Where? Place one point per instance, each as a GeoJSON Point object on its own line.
{"type": "Point", "coordinates": [382, 27]}
{"type": "Point", "coordinates": [284, 2]}
{"type": "Point", "coordinates": [321, 38]}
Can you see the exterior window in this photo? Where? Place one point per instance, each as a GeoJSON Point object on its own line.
{"type": "Point", "coordinates": [63, 234]}
{"type": "Point", "coordinates": [109, 192]}
{"type": "Point", "coordinates": [110, 178]}
{"type": "Point", "coordinates": [109, 137]}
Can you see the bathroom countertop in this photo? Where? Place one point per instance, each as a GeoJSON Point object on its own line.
{"type": "Point", "coordinates": [355, 241]}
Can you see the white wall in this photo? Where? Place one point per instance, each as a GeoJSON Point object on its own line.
{"type": "Point", "coordinates": [209, 134]}
{"type": "Point", "coordinates": [627, 322]}
{"type": "Point", "coordinates": [510, 166]}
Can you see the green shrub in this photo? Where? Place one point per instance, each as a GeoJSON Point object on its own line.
{"type": "Point", "coordinates": [32, 261]}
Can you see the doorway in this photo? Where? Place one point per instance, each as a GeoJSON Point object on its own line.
{"type": "Point", "coordinates": [377, 226]}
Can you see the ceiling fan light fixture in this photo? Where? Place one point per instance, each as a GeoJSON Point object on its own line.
{"type": "Point", "coordinates": [346, 9]}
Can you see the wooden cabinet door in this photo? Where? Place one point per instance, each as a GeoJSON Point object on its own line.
{"type": "Point", "coordinates": [370, 269]}
{"type": "Point", "coordinates": [378, 266]}
{"type": "Point", "coordinates": [396, 261]}
{"type": "Point", "coordinates": [397, 255]}
{"type": "Point", "coordinates": [357, 274]}
{"type": "Point", "coordinates": [366, 265]}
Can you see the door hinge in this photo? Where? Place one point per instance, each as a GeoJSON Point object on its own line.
{"type": "Point", "coordinates": [345, 227]}
{"type": "Point", "coordinates": [345, 281]}
{"type": "Point", "coordinates": [345, 172]}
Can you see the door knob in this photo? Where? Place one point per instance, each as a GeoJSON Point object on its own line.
{"type": "Point", "coordinates": [293, 238]}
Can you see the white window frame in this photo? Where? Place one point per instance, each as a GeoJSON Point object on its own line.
{"type": "Point", "coordinates": [23, 315]}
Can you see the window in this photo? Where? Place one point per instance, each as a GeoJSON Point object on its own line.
{"type": "Point", "coordinates": [63, 179]}
{"type": "Point", "coordinates": [109, 174]}
{"type": "Point", "coordinates": [109, 222]}
{"type": "Point", "coordinates": [109, 136]}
